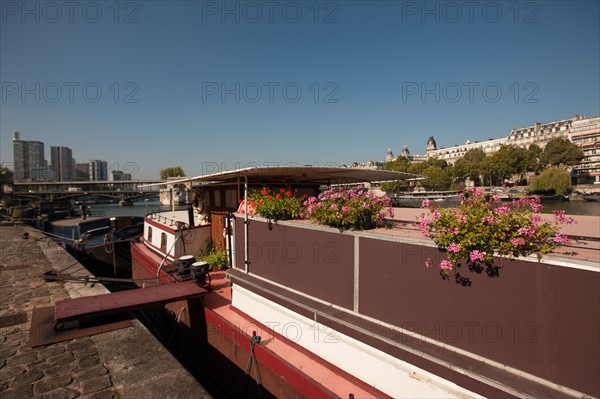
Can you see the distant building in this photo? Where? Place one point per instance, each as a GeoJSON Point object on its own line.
{"type": "Point", "coordinates": [585, 132]}
{"type": "Point", "coordinates": [29, 160]}
{"type": "Point", "coordinates": [539, 133]}
{"type": "Point", "coordinates": [454, 153]}
{"type": "Point", "coordinates": [82, 171]}
{"type": "Point", "coordinates": [119, 175]}
{"type": "Point", "coordinates": [98, 170]}
{"type": "Point", "coordinates": [372, 165]}
{"type": "Point", "coordinates": [62, 163]}
{"type": "Point", "coordinates": [389, 156]}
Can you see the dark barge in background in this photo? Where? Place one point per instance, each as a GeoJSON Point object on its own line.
{"type": "Point", "coordinates": [105, 240]}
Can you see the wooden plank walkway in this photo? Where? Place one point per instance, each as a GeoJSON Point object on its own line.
{"type": "Point", "coordinates": [102, 305]}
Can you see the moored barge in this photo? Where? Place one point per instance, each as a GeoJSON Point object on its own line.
{"type": "Point", "coordinates": [356, 312]}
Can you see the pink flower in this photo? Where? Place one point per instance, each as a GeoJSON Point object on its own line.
{"type": "Point", "coordinates": [476, 255]}
{"type": "Point", "coordinates": [560, 217]}
{"type": "Point", "coordinates": [517, 241]}
{"type": "Point", "coordinates": [446, 265]}
{"type": "Point", "coordinates": [503, 210]}
{"type": "Point", "coordinates": [488, 219]}
{"type": "Point", "coordinates": [425, 222]}
{"type": "Point", "coordinates": [536, 207]}
{"type": "Point", "coordinates": [561, 239]}
{"type": "Point", "coordinates": [455, 248]}
{"type": "Point", "coordinates": [528, 231]}
{"type": "Point", "coordinates": [428, 262]}
{"type": "Point", "coordinates": [345, 209]}
{"type": "Point", "coordinates": [436, 215]}
{"type": "Point", "coordinates": [535, 219]}
{"type": "Point", "coordinates": [426, 203]}
{"type": "Point", "coordinates": [475, 191]}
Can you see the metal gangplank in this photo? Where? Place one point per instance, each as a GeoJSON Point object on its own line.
{"type": "Point", "coordinates": [95, 306]}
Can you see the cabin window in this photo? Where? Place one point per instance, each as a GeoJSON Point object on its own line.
{"type": "Point", "coordinates": [231, 199]}
{"type": "Point", "coordinates": [149, 237]}
{"type": "Point", "coordinates": [217, 201]}
{"type": "Point", "coordinates": [163, 242]}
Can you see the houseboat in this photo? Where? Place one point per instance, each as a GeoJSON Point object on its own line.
{"type": "Point", "coordinates": [415, 199]}
{"type": "Point", "coordinates": [593, 197]}
{"type": "Point", "coordinates": [311, 311]}
{"type": "Point", "coordinates": [105, 240]}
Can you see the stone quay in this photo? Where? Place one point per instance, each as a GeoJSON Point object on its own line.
{"type": "Point", "coordinates": [125, 363]}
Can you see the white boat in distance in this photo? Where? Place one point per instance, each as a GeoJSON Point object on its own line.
{"type": "Point", "coordinates": [415, 199]}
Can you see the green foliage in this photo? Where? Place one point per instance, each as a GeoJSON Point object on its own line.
{"type": "Point", "coordinates": [437, 179]}
{"type": "Point", "coordinates": [216, 257]}
{"type": "Point", "coordinates": [174, 171]}
{"type": "Point", "coordinates": [561, 152]}
{"type": "Point", "coordinates": [532, 162]}
{"type": "Point", "coordinates": [439, 174]}
{"type": "Point", "coordinates": [506, 162]}
{"type": "Point", "coordinates": [6, 177]}
{"type": "Point", "coordinates": [276, 205]}
{"type": "Point", "coordinates": [395, 186]}
{"type": "Point", "coordinates": [551, 180]}
{"type": "Point", "coordinates": [469, 165]}
{"type": "Point", "coordinates": [400, 164]}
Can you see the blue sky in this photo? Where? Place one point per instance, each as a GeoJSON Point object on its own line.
{"type": "Point", "coordinates": [216, 85]}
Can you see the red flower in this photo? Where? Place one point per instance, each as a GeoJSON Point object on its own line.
{"type": "Point", "coordinates": [265, 191]}
{"type": "Point", "coordinates": [278, 196]}
{"type": "Point", "coordinates": [269, 198]}
{"type": "Point", "coordinates": [281, 190]}
{"type": "Point", "coordinates": [305, 196]}
{"type": "Point", "coordinates": [288, 193]}
{"type": "Point", "coordinates": [260, 203]}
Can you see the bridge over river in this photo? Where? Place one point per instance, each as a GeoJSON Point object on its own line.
{"type": "Point", "coordinates": [66, 190]}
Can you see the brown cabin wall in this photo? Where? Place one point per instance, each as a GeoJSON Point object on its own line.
{"type": "Point", "coordinates": [312, 263]}
{"type": "Point", "coordinates": [536, 317]}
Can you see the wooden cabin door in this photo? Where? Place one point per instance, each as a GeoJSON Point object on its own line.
{"type": "Point", "coordinates": [218, 221]}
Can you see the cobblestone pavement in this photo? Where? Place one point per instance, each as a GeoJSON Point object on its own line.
{"type": "Point", "coordinates": [67, 369]}
{"type": "Point", "coordinates": [127, 363]}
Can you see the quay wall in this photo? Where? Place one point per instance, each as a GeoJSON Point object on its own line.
{"type": "Point", "coordinates": [125, 363]}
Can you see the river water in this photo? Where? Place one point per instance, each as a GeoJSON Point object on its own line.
{"type": "Point", "coordinates": [141, 208]}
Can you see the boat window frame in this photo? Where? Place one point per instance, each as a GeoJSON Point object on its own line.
{"type": "Point", "coordinates": [149, 235]}
{"type": "Point", "coordinates": [163, 241]}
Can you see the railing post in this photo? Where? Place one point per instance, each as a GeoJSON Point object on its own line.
{"type": "Point", "coordinates": [356, 272]}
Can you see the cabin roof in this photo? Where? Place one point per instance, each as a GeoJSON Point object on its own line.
{"type": "Point", "coordinates": [301, 174]}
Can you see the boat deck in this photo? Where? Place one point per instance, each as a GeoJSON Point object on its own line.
{"type": "Point", "coordinates": [333, 381]}
{"type": "Point", "coordinates": [70, 222]}
{"type": "Point", "coordinates": [170, 219]}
